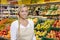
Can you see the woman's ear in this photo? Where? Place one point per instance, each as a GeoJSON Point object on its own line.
{"type": "Point", "coordinates": [19, 14]}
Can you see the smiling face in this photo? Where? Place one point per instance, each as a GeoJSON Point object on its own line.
{"type": "Point", "coordinates": [23, 12]}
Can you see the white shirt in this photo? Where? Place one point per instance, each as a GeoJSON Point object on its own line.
{"type": "Point", "coordinates": [14, 28]}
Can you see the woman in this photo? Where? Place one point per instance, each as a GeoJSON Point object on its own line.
{"type": "Point", "coordinates": [24, 30]}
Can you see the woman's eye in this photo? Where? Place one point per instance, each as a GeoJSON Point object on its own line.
{"type": "Point", "coordinates": [22, 11]}
{"type": "Point", "coordinates": [26, 11]}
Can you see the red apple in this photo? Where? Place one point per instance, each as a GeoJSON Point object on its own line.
{"type": "Point", "coordinates": [4, 32]}
{"type": "Point", "coordinates": [0, 33]}
{"type": "Point", "coordinates": [59, 35]}
{"type": "Point", "coordinates": [55, 23]}
{"type": "Point", "coordinates": [54, 34]}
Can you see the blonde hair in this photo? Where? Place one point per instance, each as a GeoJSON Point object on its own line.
{"type": "Point", "coordinates": [21, 7]}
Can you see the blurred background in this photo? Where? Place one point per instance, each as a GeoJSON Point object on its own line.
{"type": "Point", "coordinates": [44, 13]}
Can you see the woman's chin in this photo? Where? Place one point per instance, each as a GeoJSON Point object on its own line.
{"type": "Point", "coordinates": [24, 18]}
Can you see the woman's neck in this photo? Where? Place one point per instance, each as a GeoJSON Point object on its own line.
{"type": "Point", "coordinates": [24, 22]}
{"type": "Point", "coordinates": [22, 19]}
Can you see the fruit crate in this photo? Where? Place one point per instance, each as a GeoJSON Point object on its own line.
{"type": "Point", "coordinates": [51, 28]}
{"type": "Point", "coordinates": [56, 29]}
{"type": "Point", "coordinates": [42, 32]}
{"type": "Point", "coordinates": [48, 30]}
{"type": "Point", "coordinates": [44, 38]}
{"type": "Point", "coordinates": [56, 24]}
{"type": "Point", "coordinates": [2, 38]}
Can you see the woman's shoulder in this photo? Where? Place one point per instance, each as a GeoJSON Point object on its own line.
{"type": "Point", "coordinates": [15, 22]}
{"type": "Point", "coordinates": [31, 21]}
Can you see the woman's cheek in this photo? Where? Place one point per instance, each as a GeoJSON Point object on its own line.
{"type": "Point", "coordinates": [21, 15]}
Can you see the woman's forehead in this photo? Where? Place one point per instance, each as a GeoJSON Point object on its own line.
{"type": "Point", "coordinates": [24, 8]}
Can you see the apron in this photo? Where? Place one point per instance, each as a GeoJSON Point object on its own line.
{"type": "Point", "coordinates": [25, 33]}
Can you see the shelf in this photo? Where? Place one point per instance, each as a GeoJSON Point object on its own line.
{"type": "Point", "coordinates": [14, 8]}
{"type": "Point", "coordinates": [8, 15]}
{"type": "Point", "coordinates": [9, 9]}
{"type": "Point", "coordinates": [49, 15]}
{"type": "Point", "coordinates": [44, 38]}
{"type": "Point", "coordinates": [44, 15]}
{"type": "Point", "coordinates": [54, 28]}
{"type": "Point", "coordinates": [54, 17]}
{"type": "Point", "coordinates": [43, 4]}
{"type": "Point", "coordinates": [34, 16]}
{"type": "Point", "coordinates": [4, 9]}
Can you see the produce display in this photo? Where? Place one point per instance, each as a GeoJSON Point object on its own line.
{"type": "Point", "coordinates": [35, 20]}
{"type": "Point", "coordinates": [42, 29]}
{"type": "Point", "coordinates": [54, 34]}
{"type": "Point", "coordinates": [8, 9]}
{"type": "Point", "coordinates": [56, 24]}
{"type": "Point", "coordinates": [47, 9]}
{"type": "Point", "coordinates": [42, 9]}
{"type": "Point", "coordinates": [5, 27]}
{"type": "Point", "coordinates": [45, 25]}
{"type": "Point", "coordinates": [42, 26]}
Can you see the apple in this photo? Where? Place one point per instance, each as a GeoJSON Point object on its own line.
{"type": "Point", "coordinates": [4, 32]}
{"type": "Point", "coordinates": [0, 33]}
{"type": "Point", "coordinates": [59, 34]}
{"type": "Point", "coordinates": [54, 34]}
{"type": "Point", "coordinates": [57, 38]}
{"type": "Point", "coordinates": [56, 24]}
